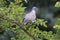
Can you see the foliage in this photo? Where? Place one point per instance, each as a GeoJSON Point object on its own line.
{"type": "Point", "coordinates": [15, 11]}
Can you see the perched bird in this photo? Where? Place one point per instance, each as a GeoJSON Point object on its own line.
{"type": "Point", "coordinates": [29, 17]}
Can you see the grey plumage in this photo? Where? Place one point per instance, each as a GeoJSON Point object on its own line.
{"type": "Point", "coordinates": [31, 16]}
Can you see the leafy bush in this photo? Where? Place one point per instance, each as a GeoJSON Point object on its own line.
{"type": "Point", "coordinates": [11, 29]}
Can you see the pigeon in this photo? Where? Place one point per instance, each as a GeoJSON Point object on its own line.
{"type": "Point", "coordinates": [29, 17]}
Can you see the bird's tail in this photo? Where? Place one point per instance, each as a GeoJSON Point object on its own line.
{"type": "Point", "coordinates": [23, 24]}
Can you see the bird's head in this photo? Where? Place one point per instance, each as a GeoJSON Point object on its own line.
{"type": "Point", "coordinates": [36, 9]}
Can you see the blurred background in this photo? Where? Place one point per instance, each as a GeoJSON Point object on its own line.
{"type": "Point", "coordinates": [10, 31]}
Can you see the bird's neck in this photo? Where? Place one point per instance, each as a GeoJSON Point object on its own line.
{"type": "Point", "coordinates": [33, 11]}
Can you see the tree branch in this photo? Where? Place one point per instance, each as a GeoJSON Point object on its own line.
{"type": "Point", "coordinates": [16, 22]}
